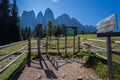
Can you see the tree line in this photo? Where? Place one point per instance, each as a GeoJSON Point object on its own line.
{"type": "Point", "coordinates": [50, 31]}
{"type": "Point", "coordinates": [10, 29]}
{"type": "Point", "coordinates": [9, 22]}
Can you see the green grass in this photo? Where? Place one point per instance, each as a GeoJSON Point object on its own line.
{"type": "Point", "coordinates": [7, 73]}
{"type": "Point", "coordinates": [13, 48]}
{"type": "Point", "coordinates": [115, 47]}
{"type": "Point", "coordinates": [99, 68]}
{"type": "Point", "coordinates": [91, 60]}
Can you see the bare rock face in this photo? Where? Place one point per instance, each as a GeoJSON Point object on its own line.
{"type": "Point", "coordinates": [40, 19]}
{"type": "Point", "coordinates": [48, 16]}
{"type": "Point", "coordinates": [28, 19]}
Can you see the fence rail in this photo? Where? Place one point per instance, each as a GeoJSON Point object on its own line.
{"type": "Point", "coordinates": [116, 42]}
{"type": "Point", "coordinates": [115, 65]}
{"type": "Point", "coordinates": [8, 45]}
{"type": "Point", "coordinates": [104, 49]}
{"type": "Point", "coordinates": [12, 53]}
{"type": "Point", "coordinates": [4, 68]}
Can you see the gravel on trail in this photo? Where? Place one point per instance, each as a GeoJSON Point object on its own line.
{"type": "Point", "coordinates": [57, 69]}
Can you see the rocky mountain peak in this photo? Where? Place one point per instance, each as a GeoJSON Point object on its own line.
{"type": "Point", "coordinates": [28, 19]}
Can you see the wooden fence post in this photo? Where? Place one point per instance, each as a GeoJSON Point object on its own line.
{"type": "Point", "coordinates": [78, 43]}
{"type": "Point", "coordinates": [74, 44]}
{"type": "Point", "coordinates": [47, 45]}
{"type": "Point", "coordinates": [29, 51]}
{"type": "Point", "coordinates": [109, 57]}
{"type": "Point", "coordinates": [58, 46]}
{"type": "Point", "coordinates": [39, 35]}
{"type": "Point", "coordinates": [65, 45]}
{"type": "Point", "coordinates": [38, 43]}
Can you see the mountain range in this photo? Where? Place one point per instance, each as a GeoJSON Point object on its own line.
{"type": "Point", "coordinates": [28, 19]}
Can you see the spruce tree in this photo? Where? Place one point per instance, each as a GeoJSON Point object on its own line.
{"type": "Point", "coordinates": [4, 21]}
{"type": "Point", "coordinates": [50, 28]}
{"type": "Point", "coordinates": [15, 23]}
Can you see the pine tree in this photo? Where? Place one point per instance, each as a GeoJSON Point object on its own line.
{"type": "Point", "coordinates": [50, 28]}
{"type": "Point", "coordinates": [4, 21]}
{"type": "Point", "coordinates": [22, 33]}
{"type": "Point", "coordinates": [15, 23]}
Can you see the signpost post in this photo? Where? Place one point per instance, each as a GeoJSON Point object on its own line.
{"type": "Point", "coordinates": [105, 29]}
{"type": "Point", "coordinates": [39, 34]}
{"type": "Point", "coordinates": [29, 49]}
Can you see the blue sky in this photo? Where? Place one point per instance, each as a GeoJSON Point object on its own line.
{"type": "Point", "coordinates": [86, 11]}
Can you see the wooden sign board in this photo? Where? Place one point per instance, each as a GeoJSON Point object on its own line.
{"type": "Point", "coordinates": [70, 31]}
{"type": "Point", "coordinates": [105, 29]}
{"type": "Point", "coordinates": [107, 26]}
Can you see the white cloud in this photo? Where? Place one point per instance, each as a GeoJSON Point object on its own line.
{"type": "Point", "coordinates": [55, 1]}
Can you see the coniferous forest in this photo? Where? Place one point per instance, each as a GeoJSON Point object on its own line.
{"type": "Point", "coordinates": [10, 29]}
{"type": "Point", "coordinates": [9, 22]}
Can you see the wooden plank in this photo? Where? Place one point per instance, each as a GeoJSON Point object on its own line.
{"type": "Point", "coordinates": [8, 55]}
{"type": "Point", "coordinates": [94, 46]}
{"type": "Point", "coordinates": [4, 68]}
{"type": "Point", "coordinates": [114, 52]}
{"type": "Point", "coordinates": [116, 42]}
{"type": "Point", "coordinates": [93, 39]}
{"type": "Point", "coordinates": [108, 24]}
{"type": "Point", "coordinates": [4, 46]}
{"type": "Point", "coordinates": [109, 34]}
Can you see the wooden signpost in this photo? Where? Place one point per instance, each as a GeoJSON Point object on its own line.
{"type": "Point", "coordinates": [39, 35]}
{"type": "Point", "coordinates": [70, 31]}
{"type": "Point", "coordinates": [29, 50]}
{"type": "Point", "coordinates": [105, 29]}
{"type": "Point", "coordinates": [107, 25]}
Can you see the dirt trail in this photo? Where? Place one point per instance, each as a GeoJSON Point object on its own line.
{"type": "Point", "coordinates": [67, 69]}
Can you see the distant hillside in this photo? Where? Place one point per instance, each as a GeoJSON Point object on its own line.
{"type": "Point", "coordinates": [28, 19]}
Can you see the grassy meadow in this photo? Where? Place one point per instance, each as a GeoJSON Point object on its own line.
{"type": "Point", "coordinates": [98, 67]}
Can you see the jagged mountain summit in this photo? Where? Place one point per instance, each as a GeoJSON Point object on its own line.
{"type": "Point", "coordinates": [28, 19]}
{"type": "Point", "coordinates": [40, 19]}
{"type": "Point", "coordinates": [49, 15]}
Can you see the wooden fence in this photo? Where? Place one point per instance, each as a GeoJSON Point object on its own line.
{"type": "Point", "coordinates": [8, 45]}
{"type": "Point", "coordinates": [47, 42]}
{"type": "Point", "coordinates": [76, 42]}
{"type": "Point", "coordinates": [23, 50]}
{"type": "Point", "coordinates": [116, 65]}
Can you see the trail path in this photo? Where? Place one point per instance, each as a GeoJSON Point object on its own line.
{"type": "Point", "coordinates": [67, 69]}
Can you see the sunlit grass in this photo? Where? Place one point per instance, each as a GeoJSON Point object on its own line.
{"type": "Point", "coordinates": [99, 69]}
{"type": "Point", "coordinates": [7, 73]}
{"type": "Point", "coordinates": [13, 48]}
